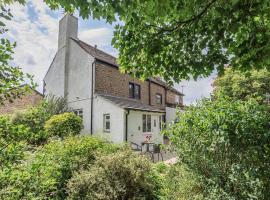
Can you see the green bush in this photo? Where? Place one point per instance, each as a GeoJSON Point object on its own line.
{"type": "Point", "coordinates": [45, 174]}
{"type": "Point", "coordinates": [12, 139]}
{"type": "Point", "coordinates": [178, 183]}
{"type": "Point", "coordinates": [35, 118]}
{"type": "Point", "coordinates": [124, 175]}
{"type": "Point", "coordinates": [66, 124]}
{"type": "Point", "coordinates": [227, 143]}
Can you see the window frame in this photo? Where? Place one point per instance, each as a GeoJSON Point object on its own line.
{"type": "Point", "coordinates": [78, 112]}
{"type": "Point", "coordinates": [132, 94]}
{"type": "Point", "coordinates": [105, 121]}
{"type": "Point", "coordinates": [160, 95]}
{"type": "Point", "coordinates": [162, 123]}
{"type": "Point", "coordinates": [146, 123]}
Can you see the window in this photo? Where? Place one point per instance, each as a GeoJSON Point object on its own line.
{"type": "Point", "coordinates": [134, 91]}
{"type": "Point", "coordinates": [176, 98]}
{"type": "Point", "coordinates": [161, 122]}
{"type": "Point", "coordinates": [146, 123]}
{"type": "Point", "coordinates": [78, 112]}
{"type": "Point", "coordinates": [137, 91]}
{"type": "Point", "coordinates": [158, 98]}
{"type": "Point", "coordinates": [106, 122]}
{"type": "Point", "coordinates": [131, 90]}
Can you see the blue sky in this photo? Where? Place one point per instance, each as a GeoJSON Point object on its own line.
{"type": "Point", "coordinates": [35, 29]}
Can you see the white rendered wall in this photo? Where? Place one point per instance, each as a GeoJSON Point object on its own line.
{"type": "Point", "coordinates": [79, 83]}
{"type": "Point", "coordinates": [135, 129]}
{"type": "Point", "coordinates": [85, 105]}
{"type": "Point", "coordinates": [170, 115]}
{"type": "Point", "coordinates": [55, 77]}
{"type": "Point", "coordinates": [117, 116]}
{"type": "Point", "coordinates": [79, 73]}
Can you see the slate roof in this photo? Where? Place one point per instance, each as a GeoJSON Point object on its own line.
{"type": "Point", "coordinates": [128, 103]}
{"type": "Point", "coordinates": [107, 58]}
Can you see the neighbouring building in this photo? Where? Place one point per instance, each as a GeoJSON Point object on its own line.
{"type": "Point", "coordinates": [26, 101]}
{"type": "Point", "coordinates": [112, 104]}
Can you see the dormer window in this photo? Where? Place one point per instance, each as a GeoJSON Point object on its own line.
{"type": "Point", "coordinates": [134, 91]}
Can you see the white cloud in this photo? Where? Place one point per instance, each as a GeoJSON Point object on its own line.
{"type": "Point", "coordinates": [195, 90]}
{"type": "Point", "coordinates": [99, 36]}
{"type": "Point", "coordinates": [36, 40]}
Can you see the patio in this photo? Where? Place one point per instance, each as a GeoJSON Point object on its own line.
{"type": "Point", "coordinates": [155, 152]}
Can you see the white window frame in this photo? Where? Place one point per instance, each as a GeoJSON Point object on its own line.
{"type": "Point", "coordinates": [161, 119]}
{"type": "Point", "coordinates": [148, 123]}
{"type": "Point", "coordinates": [105, 120]}
{"type": "Point", "coordinates": [78, 112]}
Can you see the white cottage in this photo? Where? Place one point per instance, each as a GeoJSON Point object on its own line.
{"type": "Point", "coordinates": [112, 104]}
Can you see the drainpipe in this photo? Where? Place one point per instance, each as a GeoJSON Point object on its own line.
{"type": "Point", "coordinates": [92, 94]}
{"type": "Point", "coordinates": [149, 90]}
{"type": "Point", "coordinates": [126, 136]}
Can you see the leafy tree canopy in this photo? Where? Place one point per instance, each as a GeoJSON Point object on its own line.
{"type": "Point", "coordinates": [180, 39]}
{"type": "Point", "coordinates": [243, 86]}
{"type": "Point", "coordinates": [11, 78]}
{"type": "Point", "coordinates": [227, 143]}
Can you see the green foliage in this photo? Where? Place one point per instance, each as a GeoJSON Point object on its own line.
{"type": "Point", "coordinates": [178, 183]}
{"type": "Point", "coordinates": [12, 146]}
{"type": "Point", "coordinates": [35, 118]}
{"type": "Point", "coordinates": [55, 105]}
{"type": "Point", "coordinates": [62, 125]}
{"type": "Point", "coordinates": [45, 174]}
{"type": "Point", "coordinates": [179, 39]}
{"type": "Point", "coordinates": [124, 175]}
{"type": "Point", "coordinates": [11, 77]}
{"type": "Point", "coordinates": [227, 143]}
{"type": "Point", "coordinates": [237, 85]}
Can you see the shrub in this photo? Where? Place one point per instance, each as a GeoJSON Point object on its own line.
{"type": "Point", "coordinates": [12, 143]}
{"type": "Point", "coordinates": [178, 182]}
{"type": "Point", "coordinates": [35, 118]}
{"type": "Point", "coordinates": [45, 174]}
{"type": "Point", "coordinates": [66, 124]}
{"type": "Point", "coordinates": [125, 175]}
{"type": "Point", "coordinates": [228, 144]}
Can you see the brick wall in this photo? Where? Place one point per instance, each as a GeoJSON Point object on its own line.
{"type": "Point", "coordinates": [25, 102]}
{"type": "Point", "coordinates": [171, 98]}
{"type": "Point", "coordinates": [157, 89]}
{"type": "Point", "coordinates": [110, 81]}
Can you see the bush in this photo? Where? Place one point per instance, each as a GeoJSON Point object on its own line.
{"type": "Point", "coordinates": [125, 175]}
{"type": "Point", "coordinates": [66, 124]}
{"type": "Point", "coordinates": [228, 144]}
{"type": "Point", "coordinates": [12, 143]}
{"type": "Point", "coordinates": [45, 174]}
{"type": "Point", "coordinates": [35, 118]}
{"type": "Point", "coordinates": [178, 182]}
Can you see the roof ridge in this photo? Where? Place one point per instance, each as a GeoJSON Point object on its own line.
{"type": "Point", "coordinates": [96, 48]}
{"type": "Point", "coordinates": [107, 58]}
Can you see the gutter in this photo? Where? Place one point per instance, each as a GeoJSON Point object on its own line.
{"type": "Point", "coordinates": [126, 134]}
{"type": "Point", "coordinates": [92, 94]}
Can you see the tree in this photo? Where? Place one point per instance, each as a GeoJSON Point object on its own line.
{"type": "Point", "coordinates": [180, 39]}
{"type": "Point", "coordinates": [238, 85]}
{"type": "Point", "coordinates": [227, 144]}
{"type": "Point", "coordinates": [11, 78]}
